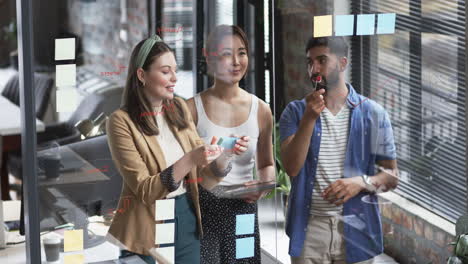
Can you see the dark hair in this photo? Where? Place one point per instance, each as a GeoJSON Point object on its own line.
{"type": "Point", "coordinates": [337, 45]}
{"type": "Point", "coordinates": [134, 100]}
{"type": "Point", "coordinates": [216, 36]}
{"type": "Point", "coordinates": [221, 31]}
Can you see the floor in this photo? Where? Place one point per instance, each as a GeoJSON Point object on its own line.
{"type": "Point", "coordinates": [274, 241]}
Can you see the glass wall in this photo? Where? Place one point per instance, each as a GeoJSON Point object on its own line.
{"type": "Point", "coordinates": [214, 138]}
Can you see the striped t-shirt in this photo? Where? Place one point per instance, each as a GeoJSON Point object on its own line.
{"type": "Point", "coordinates": [330, 167]}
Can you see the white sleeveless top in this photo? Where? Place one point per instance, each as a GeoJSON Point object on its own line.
{"type": "Point", "coordinates": [242, 165]}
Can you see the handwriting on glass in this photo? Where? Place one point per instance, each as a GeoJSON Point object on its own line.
{"type": "Point", "coordinates": [170, 107]}
{"type": "Point", "coordinates": [213, 152]}
{"type": "Point", "coordinates": [124, 208]}
{"type": "Point", "coordinates": [103, 169]}
{"type": "Point", "coordinates": [377, 91]}
{"type": "Point", "coordinates": [193, 180]}
{"type": "Point", "coordinates": [168, 29]}
{"type": "Point", "coordinates": [113, 73]}
{"type": "Point", "coordinates": [212, 53]}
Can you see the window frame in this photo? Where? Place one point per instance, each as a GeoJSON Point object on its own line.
{"type": "Point", "coordinates": [363, 52]}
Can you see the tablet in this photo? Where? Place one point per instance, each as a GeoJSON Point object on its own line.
{"type": "Point", "coordinates": [240, 190]}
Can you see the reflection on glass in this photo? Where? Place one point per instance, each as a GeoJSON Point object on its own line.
{"type": "Point", "coordinates": [225, 110]}
{"type": "Point", "coordinates": [338, 148]}
{"type": "Point", "coordinates": [437, 9]}
{"type": "Point", "coordinates": [396, 6]}
{"type": "Point", "coordinates": [177, 31]}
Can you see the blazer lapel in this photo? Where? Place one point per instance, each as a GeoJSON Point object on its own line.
{"type": "Point", "coordinates": [182, 139]}
{"type": "Point", "coordinates": [155, 148]}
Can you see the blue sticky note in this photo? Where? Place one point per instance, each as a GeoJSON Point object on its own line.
{"type": "Point", "coordinates": [344, 25]}
{"type": "Point", "coordinates": [245, 224]}
{"type": "Point", "coordinates": [245, 247]}
{"type": "Point", "coordinates": [386, 23]}
{"type": "Point", "coordinates": [228, 142]}
{"type": "Point", "coordinates": [365, 24]}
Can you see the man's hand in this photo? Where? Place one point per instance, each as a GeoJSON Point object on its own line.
{"type": "Point", "coordinates": [342, 190]}
{"type": "Point", "coordinates": [314, 104]}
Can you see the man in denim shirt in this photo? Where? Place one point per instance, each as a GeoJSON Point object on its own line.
{"type": "Point", "coordinates": [331, 142]}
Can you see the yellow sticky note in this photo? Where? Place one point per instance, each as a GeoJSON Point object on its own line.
{"type": "Point", "coordinates": [65, 75]}
{"type": "Point", "coordinates": [66, 100]}
{"type": "Point", "coordinates": [73, 259]}
{"type": "Point", "coordinates": [323, 26]}
{"type": "Point", "coordinates": [73, 240]}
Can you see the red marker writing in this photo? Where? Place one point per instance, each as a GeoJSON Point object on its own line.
{"type": "Point", "coordinates": [193, 180]}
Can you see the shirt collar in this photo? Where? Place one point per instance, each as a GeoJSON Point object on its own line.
{"type": "Point", "coordinates": [354, 99]}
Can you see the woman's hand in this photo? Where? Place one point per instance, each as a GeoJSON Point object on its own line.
{"type": "Point", "coordinates": [242, 144]}
{"type": "Point", "coordinates": [255, 196]}
{"type": "Point", "coordinates": [205, 154]}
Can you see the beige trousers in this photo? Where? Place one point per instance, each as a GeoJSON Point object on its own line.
{"type": "Point", "coordinates": [324, 243]}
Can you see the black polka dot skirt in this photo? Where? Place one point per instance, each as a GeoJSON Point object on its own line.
{"type": "Point", "coordinates": [218, 245]}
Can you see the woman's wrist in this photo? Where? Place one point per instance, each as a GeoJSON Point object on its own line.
{"type": "Point", "coordinates": [167, 179]}
{"type": "Point", "coordinates": [221, 171]}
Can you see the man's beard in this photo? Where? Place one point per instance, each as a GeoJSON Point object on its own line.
{"type": "Point", "coordinates": [328, 82]}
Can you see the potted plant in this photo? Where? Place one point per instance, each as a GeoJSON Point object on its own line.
{"type": "Point", "coordinates": [10, 34]}
{"type": "Point", "coordinates": [460, 249]}
{"type": "Point", "coordinates": [282, 177]}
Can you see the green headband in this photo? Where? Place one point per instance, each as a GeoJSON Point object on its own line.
{"type": "Point", "coordinates": [145, 49]}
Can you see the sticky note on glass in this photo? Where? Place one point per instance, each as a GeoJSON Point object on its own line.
{"type": "Point", "coordinates": [323, 26]}
{"type": "Point", "coordinates": [166, 253]}
{"type": "Point", "coordinates": [164, 233]}
{"type": "Point", "coordinates": [245, 224]}
{"type": "Point", "coordinates": [164, 209]}
{"type": "Point", "coordinates": [386, 23]}
{"type": "Point", "coordinates": [344, 25]}
{"type": "Point", "coordinates": [65, 49]}
{"type": "Point", "coordinates": [245, 247]}
{"type": "Point", "coordinates": [66, 100]}
{"type": "Point", "coordinates": [73, 259]}
{"type": "Point", "coordinates": [65, 75]}
{"type": "Point", "coordinates": [365, 24]}
{"type": "Point", "coordinates": [227, 142]}
{"type": "Point", "coordinates": [73, 240]}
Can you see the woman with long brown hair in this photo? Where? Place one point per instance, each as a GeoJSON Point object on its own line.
{"type": "Point", "coordinates": [159, 154]}
{"type": "Point", "coordinates": [226, 109]}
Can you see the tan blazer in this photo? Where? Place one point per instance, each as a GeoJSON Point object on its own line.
{"type": "Point", "coordinates": [140, 160]}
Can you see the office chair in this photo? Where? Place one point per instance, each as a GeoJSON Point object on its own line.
{"type": "Point", "coordinates": [96, 151]}
{"type": "Point", "coordinates": [43, 84]}
{"type": "Point", "coordinates": [89, 108]}
{"type": "Point", "coordinates": [43, 88]}
{"type": "Point", "coordinates": [65, 132]}
{"type": "Point", "coordinates": [93, 198]}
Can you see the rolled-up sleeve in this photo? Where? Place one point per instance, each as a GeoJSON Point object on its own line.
{"type": "Point", "coordinates": [289, 121]}
{"type": "Point", "coordinates": [384, 143]}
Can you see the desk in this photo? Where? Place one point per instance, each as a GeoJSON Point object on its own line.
{"type": "Point", "coordinates": [10, 117]}
{"type": "Point", "coordinates": [16, 254]}
{"type": "Point", "coordinates": [10, 125]}
{"type": "Point", "coordinates": [85, 174]}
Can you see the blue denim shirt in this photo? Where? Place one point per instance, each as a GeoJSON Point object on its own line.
{"type": "Point", "coordinates": [370, 140]}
